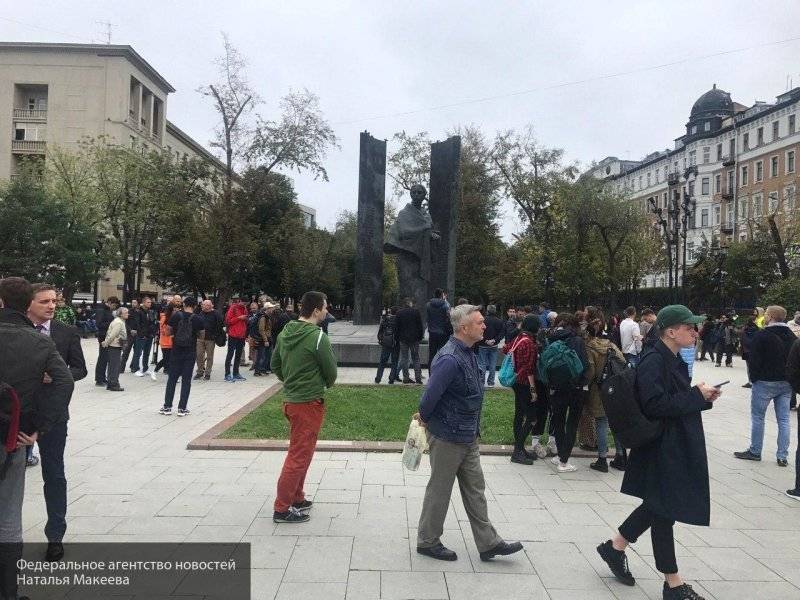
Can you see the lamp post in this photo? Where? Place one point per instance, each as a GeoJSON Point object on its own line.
{"type": "Point", "coordinates": [666, 233]}
{"type": "Point", "coordinates": [689, 206]}
{"type": "Point", "coordinates": [675, 223]}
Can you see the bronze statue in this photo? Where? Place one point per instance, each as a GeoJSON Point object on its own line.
{"type": "Point", "coordinates": [410, 238]}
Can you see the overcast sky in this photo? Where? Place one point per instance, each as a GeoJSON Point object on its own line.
{"type": "Point", "coordinates": [371, 61]}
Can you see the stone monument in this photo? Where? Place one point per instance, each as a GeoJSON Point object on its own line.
{"type": "Point", "coordinates": [368, 291]}
{"type": "Point", "coordinates": [410, 239]}
{"type": "Point", "coordinates": [443, 205]}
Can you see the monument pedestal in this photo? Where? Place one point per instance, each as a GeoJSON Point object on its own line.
{"type": "Point", "coordinates": [357, 345]}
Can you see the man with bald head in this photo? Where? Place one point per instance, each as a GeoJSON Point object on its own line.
{"type": "Point", "coordinates": [205, 339]}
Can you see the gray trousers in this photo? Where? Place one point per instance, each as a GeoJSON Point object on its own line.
{"type": "Point", "coordinates": [409, 357]}
{"type": "Point", "coordinates": [448, 462]}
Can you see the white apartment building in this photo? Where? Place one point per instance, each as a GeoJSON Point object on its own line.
{"type": "Point", "coordinates": [736, 163]}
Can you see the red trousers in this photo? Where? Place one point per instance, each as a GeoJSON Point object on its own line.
{"type": "Point", "coordinates": [305, 421]}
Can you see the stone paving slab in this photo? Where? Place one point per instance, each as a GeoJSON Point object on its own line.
{"type": "Point", "coordinates": [132, 479]}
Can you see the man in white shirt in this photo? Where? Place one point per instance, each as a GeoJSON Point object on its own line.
{"type": "Point", "coordinates": [630, 337]}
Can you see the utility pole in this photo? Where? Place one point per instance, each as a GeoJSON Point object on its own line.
{"type": "Point", "coordinates": [107, 26]}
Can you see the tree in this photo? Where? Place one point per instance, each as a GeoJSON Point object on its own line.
{"type": "Point", "coordinates": [234, 100]}
{"type": "Point", "coordinates": [298, 140]}
{"type": "Point", "coordinates": [410, 164]}
{"type": "Point", "coordinates": [531, 176]}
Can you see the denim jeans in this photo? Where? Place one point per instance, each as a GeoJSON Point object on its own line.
{"type": "Point", "coordinates": [780, 392]}
{"type": "Point", "coordinates": [181, 365]}
{"type": "Point", "coordinates": [487, 363]}
{"type": "Point", "coordinates": [235, 348]}
{"type": "Point", "coordinates": [392, 353]}
{"type": "Point", "coordinates": [601, 427]}
{"type": "Point", "coordinates": [409, 353]}
{"type": "Point", "coordinates": [51, 448]}
{"type": "Point", "coordinates": [141, 350]}
{"type": "Point", "coordinates": [263, 355]}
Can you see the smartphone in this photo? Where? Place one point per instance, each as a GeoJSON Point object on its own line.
{"type": "Point", "coordinates": [719, 385]}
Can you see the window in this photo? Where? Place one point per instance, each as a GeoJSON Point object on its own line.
{"type": "Point", "coordinates": [658, 175]}
{"type": "Point", "coordinates": [730, 181]}
{"type": "Point", "coordinates": [743, 208]}
{"type": "Point", "coordinates": [790, 161]}
{"type": "Point", "coordinates": [746, 141]}
{"type": "Point", "coordinates": [758, 201]}
{"type": "Point", "coordinates": [707, 126]}
{"type": "Point", "coordinates": [693, 157]}
{"type": "Point", "coordinates": [732, 149]}
{"type": "Point", "coordinates": [717, 184]}
{"type": "Point", "coordinates": [729, 214]}
{"type": "Point", "coordinates": [19, 134]}
{"type": "Point", "coordinates": [704, 186]}
{"type": "Point", "coordinates": [773, 202]}
{"type": "Point", "coordinates": [641, 179]}
{"type": "Point", "coordinates": [675, 165]}
{"type": "Point", "coordinates": [760, 135]}
{"type": "Point", "coordinates": [719, 152]}
{"type": "Point", "coordinates": [788, 197]}
{"type": "Point", "coordinates": [760, 170]}
{"type": "Point", "coordinates": [791, 124]}
{"type": "Point", "coordinates": [744, 175]}
{"type": "Point", "coordinates": [694, 129]}
{"type": "Point", "coordinates": [717, 211]}
{"type": "Point", "coordinates": [690, 251]}
{"type": "Point", "coordinates": [776, 127]}
{"type": "Point", "coordinates": [691, 189]}
{"type": "Point", "coordinates": [665, 199]}
{"type": "Point", "coordinates": [704, 218]}
{"type": "Point", "coordinates": [773, 166]}
{"type": "Point", "coordinates": [648, 180]}
{"type": "Point", "coordinates": [706, 155]}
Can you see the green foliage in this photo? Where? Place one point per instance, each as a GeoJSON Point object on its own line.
{"type": "Point", "coordinates": [785, 292]}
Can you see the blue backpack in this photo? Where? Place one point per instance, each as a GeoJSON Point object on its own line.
{"type": "Point", "coordinates": [508, 373]}
{"type": "Point", "coordinates": [559, 366]}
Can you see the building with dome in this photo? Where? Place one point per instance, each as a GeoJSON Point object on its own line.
{"type": "Point", "coordinates": [734, 166]}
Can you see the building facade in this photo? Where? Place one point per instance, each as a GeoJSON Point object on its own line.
{"type": "Point", "coordinates": [736, 165]}
{"type": "Point", "coordinates": [58, 94]}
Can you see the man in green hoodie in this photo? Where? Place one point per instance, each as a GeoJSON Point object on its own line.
{"type": "Point", "coordinates": [303, 360]}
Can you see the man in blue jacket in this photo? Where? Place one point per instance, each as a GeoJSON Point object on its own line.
{"type": "Point", "coordinates": [450, 408]}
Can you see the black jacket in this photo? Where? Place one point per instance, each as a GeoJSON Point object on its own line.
{"type": "Point", "coordinates": [409, 325]}
{"type": "Point", "coordinates": [68, 343]}
{"type": "Point", "coordinates": [103, 319]}
{"type": "Point", "coordinates": [768, 351]}
{"type": "Point", "coordinates": [438, 311]}
{"type": "Point", "coordinates": [670, 474]}
{"type": "Point", "coordinates": [387, 331]}
{"type": "Point", "coordinates": [793, 367]}
{"type": "Point", "coordinates": [511, 330]}
{"type": "Point", "coordinates": [25, 356]}
{"type": "Point", "coordinates": [213, 323]}
{"type": "Point", "coordinates": [144, 322]}
{"type": "Point", "coordinates": [495, 330]}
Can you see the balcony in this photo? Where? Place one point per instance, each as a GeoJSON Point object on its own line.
{"type": "Point", "coordinates": [28, 146]}
{"type": "Point", "coordinates": [673, 178]}
{"type": "Point", "coordinates": [727, 228]}
{"type": "Point", "coordinates": [729, 161]}
{"type": "Point", "coordinates": [24, 114]}
{"type": "Point", "coordinates": [727, 195]}
{"type": "Point", "coordinates": [689, 170]}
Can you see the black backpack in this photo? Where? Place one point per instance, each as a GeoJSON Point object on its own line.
{"type": "Point", "coordinates": [617, 383]}
{"type": "Point", "coordinates": [184, 337]}
{"type": "Point", "coordinates": [252, 327]}
{"type": "Point", "coordinates": [389, 333]}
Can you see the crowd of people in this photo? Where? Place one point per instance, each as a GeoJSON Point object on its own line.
{"type": "Point", "coordinates": [558, 362]}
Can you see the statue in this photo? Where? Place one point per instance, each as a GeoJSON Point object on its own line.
{"type": "Point", "coordinates": [410, 239]}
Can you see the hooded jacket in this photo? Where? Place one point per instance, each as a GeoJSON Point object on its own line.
{"type": "Point", "coordinates": [438, 317]}
{"type": "Point", "coordinates": [768, 352]}
{"type": "Point", "coordinates": [304, 361]}
{"type": "Point", "coordinates": [237, 327]}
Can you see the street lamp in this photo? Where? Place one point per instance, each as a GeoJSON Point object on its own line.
{"type": "Point", "coordinates": [689, 206]}
{"type": "Point", "coordinates": [665, 232]}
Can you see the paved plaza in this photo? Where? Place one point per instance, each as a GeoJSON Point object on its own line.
{"type": "Point", "coordinates": [132, 479]}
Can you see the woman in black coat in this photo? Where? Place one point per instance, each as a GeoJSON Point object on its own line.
{"type": "Point", "coordinates": [670, 474]}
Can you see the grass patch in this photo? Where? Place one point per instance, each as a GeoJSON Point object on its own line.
{"type": "Point", "coordinates": [372, 413]}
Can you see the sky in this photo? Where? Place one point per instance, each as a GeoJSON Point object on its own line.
{"type": "Point", "coordinates": [594, 78]}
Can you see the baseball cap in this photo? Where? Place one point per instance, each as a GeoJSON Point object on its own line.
{"type": "Point", "coordinates": [676, 314]}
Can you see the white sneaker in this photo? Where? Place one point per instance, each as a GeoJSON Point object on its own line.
{"type": "Point", "coordinates": [555, 460]}
{"type": "Point", "coordinates": [139, 373]}
{"type": "Point", "coordinates": [567, 468]}
{"type": "Point", "coordinates": [539, 450]}
{"type": "Point", "coordinates": [152, 375]}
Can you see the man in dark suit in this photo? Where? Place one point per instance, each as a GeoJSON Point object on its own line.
{"type": "Point", "coordinates": [51, 446]}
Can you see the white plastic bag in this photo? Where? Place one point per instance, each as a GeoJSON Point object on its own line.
{"type": "Point", "coordinates": [416, 444]}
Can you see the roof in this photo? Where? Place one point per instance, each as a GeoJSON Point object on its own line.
{"type": "Point", "coordinates": [714, 102]}
{"type": "Point", "coordinates": [184, 137]}
{"type": "Point", "coordinates": [122, 51]}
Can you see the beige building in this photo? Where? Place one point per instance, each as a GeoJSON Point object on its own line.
{"type": "Point", "coordinates": [57, 94]}
{"type": "Point", "coordinates": [736, 163]}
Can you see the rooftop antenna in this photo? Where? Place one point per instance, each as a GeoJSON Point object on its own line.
{"type": "Point", "coordinates": [107, 26]}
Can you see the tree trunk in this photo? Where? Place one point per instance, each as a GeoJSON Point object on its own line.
{"type": "Point", "coordinates": [129, 282]}
{"type": "Point", "coordinates": [777, 247]}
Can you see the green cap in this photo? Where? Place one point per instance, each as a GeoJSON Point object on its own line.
{"type": "Point", "coordinates": [675, 314]}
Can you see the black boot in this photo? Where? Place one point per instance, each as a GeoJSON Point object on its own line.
{"type": "Point", "coordinates": [600, 465]}
{"type": "Point", "coordinates": [520, 458]}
